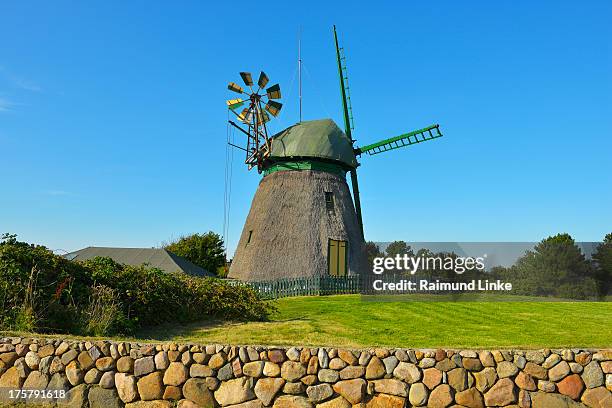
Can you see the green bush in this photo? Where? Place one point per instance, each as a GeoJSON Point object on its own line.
{"type": "Point", "coordinates": [103, 311]}
{"type": "Point", "coordinates": [45, 292]}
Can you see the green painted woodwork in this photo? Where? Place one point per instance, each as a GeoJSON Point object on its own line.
{"type": "Point", "coordinates": [357, 199]}
{"type": "Point", "coordinates": [407, 139]}
{"type": "Point", "coordinates": [313, 139]}
{"type": "Point", "coordinates": [348, 131]}
{"type": "Point", "coordinates": [308, 286]}
{"type": "Point", "coordinates": [306, 165]}
{"type": "Point", "coordinates": [345, 110]}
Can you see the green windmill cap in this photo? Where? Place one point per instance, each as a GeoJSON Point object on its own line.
{"type": "Point", "coordinates": [321, 139]}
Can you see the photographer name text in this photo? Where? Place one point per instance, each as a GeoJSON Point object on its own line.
{"type": "Point", "coordinates": [424, 285]}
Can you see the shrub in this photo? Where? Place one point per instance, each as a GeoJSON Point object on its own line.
{"type": "Point", "coordinates": [30, 276]}
{"type": "Point", "coordinates": [25, 320]}
{"type": "Point", "coordinates": [45, 292]}
{"type": "Point", "coordinates": [102, 311]}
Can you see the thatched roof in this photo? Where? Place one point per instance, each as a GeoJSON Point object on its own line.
{"type": "Point", "coordinates": [321, 139]}
{"type": "Point", "coordinates": [289, 227]}
{"type": "Point", "coordinates": [155, 257]}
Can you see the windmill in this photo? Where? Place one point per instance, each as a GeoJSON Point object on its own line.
{"type": "Point", "coordinates": [303, 220]}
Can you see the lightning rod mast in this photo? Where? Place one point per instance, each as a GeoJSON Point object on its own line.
{"type": "Point", "coordinates": [300, 69]}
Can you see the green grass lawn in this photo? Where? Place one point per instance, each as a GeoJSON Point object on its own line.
{"type": "Point", "coordinates": [349, 321]}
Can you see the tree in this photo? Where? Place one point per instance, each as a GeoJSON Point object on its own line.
{"type": "Point", "coordinates": [204, 250]}
{"type": "Point", "coordinates": [556, 267]}
{"type": "Point", "coordinates": [372, 251]}
{"type": "Point", "coordinates": [603, 260]}
{"type": "Point", "coordinates": [399, 248]}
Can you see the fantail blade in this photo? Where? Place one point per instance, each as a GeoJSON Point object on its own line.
{"type": "Point", "coordinates": [234, 103]}
{"type": "Point", "coordinates": [235, 87]}
{"type": "Point", "coordinates": [274, 107]}
{"type": "Point", "coordinates": [274, 92]}
{"type": "Point", "coordinates": [263, 80]}
{"type": "Point", "coordinates": [246, 78]}
{"type": "Point", "coordinates": [246, 116]}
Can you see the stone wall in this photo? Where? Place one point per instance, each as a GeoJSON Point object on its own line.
{"type": "Point", "coordinates": [115, 374]}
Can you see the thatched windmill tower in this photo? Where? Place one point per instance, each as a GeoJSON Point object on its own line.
{"type": "Point", "coordinates": [303, 220]}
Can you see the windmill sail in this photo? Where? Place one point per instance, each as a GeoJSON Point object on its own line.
{"type": "Point", "coordinates": [406, 139]}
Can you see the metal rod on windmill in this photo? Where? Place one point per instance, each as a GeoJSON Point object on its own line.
{"type": "Point", "coordinates": [300, 70]}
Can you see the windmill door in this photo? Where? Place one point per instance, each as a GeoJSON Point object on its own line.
{"type": "Point", "coordinates": [337, 257]}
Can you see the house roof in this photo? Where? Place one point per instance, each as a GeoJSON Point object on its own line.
{"type": "Point", "coordinates": [155, 257]}
{"type": "Point", "coordinates": [321, 139]}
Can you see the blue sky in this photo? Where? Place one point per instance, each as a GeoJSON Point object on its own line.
{"type": "Point", "coordinates": [113, 121]}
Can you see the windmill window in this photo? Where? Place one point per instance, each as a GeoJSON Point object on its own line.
{"type": "Point", "coordinates": [329, 200]}
{"type": "Point", "coordinates": [337, 257]}
{"type": "Point", "coordinates": [249, 237]}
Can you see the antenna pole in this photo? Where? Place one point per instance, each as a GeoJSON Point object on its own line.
{"type": "Point", "coordinates": [300, 69]}
{"type": "Point", "coordinates": [347, 130]}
